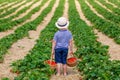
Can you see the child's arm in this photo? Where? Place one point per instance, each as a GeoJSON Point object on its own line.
{"type": "Point", "coordinates": [71, 46]}
{"type": "Point", "coordinates": [53, 47]}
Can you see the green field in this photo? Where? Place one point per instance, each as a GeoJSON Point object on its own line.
{"type": "Point", "coordinates": [28, 26]}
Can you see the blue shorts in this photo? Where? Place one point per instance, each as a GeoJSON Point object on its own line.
{"type": "Point", "coordinates": [61, 55]}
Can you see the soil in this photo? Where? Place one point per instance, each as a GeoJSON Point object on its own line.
{"type": "Point", "coordinates": [111, 4]}
{"type": "Point", "coordinates": [13, 7]}
{"type": "Point", "coordinates": [73, 74]}
{"type": "Point", "coordinates": [33, 17]}
{"type": "Point", "coordinates": [20, 8]}
{"type": "Point", "coordinates": [21, 48]}
{"type": "Point", "coordinates": [114, 49]}
{"type": "Point", "coordinates": [97, 2]}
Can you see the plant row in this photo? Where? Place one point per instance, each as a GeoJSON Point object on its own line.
{"type": "Point", "coordinates": [108, 28]}
{"type": "Point", "coordinates": [12, 4]}
{"type": "Point", "coordinates": [40, 53]}
{"type": "Point", "coordinates": [3, 4]}
{"type": "Point", "coordinates": [109, 6]}
{"type": "Point", "coordinates": [11, 24]}
{"type": "Point", "coordinates": [19, 33]}
{"type": "Point", "coordinates": [18, 13]}
{"type": "Point", "coordinates": [106, 14]}
{"type": "Point", "coordinates": [10, 11]}
{"type": "Point", "coordinates": [95, 63]}
{"type": "Point", "coordinates": [4, 1]}
{"type": "Point", "coordinates": [116, 2]}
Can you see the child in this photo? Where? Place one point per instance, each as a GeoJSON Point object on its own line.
{"type": "Point", "coordinates": [62, 41]}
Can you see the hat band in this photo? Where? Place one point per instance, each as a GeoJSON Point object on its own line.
{"type": "Point", "coordinates": [62, 25]}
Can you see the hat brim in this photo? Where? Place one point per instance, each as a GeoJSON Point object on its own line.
{"type": "Point", "coordinates": [66, 26]}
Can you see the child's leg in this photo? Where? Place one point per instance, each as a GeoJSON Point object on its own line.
{"type": "Point", "coordinates": [61, 66]}
{"type": "Point", "coordinates": [65, 69]}
{"type": "Point", "coordinates": [58, 61]}
{"type": "Point", "coordinates": [64, 58]}
{"type": "Point", "coordinates": [58, 68]}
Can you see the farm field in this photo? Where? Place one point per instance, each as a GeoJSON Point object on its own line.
{"type": "Point", "coordinates": [27, 28]}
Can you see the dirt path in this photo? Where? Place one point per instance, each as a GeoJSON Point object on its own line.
{"type": "Point", "coordinates": [73, 74]}
{"type": "Point", "coordinates": [111, 4]}
{"type": "Point", "coordinates": [20, 8]}
{"type": "Point", "coordinates": [94, 11]}
{"type": "Point", "coordinates": [103, 6]}
{"type": "Point", "coordinates": [24, 14]}
{"type": "Point", "coordinates": [22, 47]}
{"type": "Point", "coordinates": [13, 7]}
{"type": "Point", "coordinates": [114, 49]}
{"type": "Point", "coordinates": [5, 33]}
{"type": "Point", "coordinates": [3, 4]}
{"type": "Point", "coordinates": [7, 5]}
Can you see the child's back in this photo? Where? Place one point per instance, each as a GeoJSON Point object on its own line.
{"type": "Point", "coordinates": [62, 38]}
{"type": "Point", "coordinates": [61, 42]}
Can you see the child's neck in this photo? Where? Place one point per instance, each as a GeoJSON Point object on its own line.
{"type": "Point", "coordinates": [63, 29]}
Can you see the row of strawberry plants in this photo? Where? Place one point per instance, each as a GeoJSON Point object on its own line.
{"type": "Point", "coordinates": [41, 52]}
{"type": "Point", "coordinates": [19, 33]}
{"type": "Point", "coordinates": [108, 28]}
{"type": "Point", "coordinates": [109, 6]}
{"type": "Point", "coordinates": [6, 8]}
{"type": "Point", "coordinates": [11, 24]}
{"type": "Point", "coordinates": [18, 13]}
{"type": "Point", "coordinates": [8, 12]}
{"type": "Point", "coordinates": [115, 2]}
{"type": "Point", "coordinates": [95, 63]}
{"type": "Point", "coordinates": [108, 15]}
{"type": "Point", "coordinates": [3, 4]}
{"type": "Point", "coordinates": [4, 1]}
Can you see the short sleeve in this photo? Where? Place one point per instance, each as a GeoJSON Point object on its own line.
{"type": "Point", "coordinates": [55, 37]}
{"type": "Point", "coordinates": [70, 36]}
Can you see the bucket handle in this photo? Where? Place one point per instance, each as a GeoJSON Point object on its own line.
{"type": "Point", "coordinates": [51, 58]}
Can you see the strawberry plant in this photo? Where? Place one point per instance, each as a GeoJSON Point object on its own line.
{"type": "Point", "coordinates": [11, 24]}
{"type": "Point", "coordinates": [5, 79]}
{"type": "Point", "coordinates": [6, 8]}
{"type": "Point", "coordinates": [108, 28]}
{"type": "Point", "coordinates": [20, 32]}
{"type": "Point", "coordinates": [109, 6]}
{"type": "Point", "coordinates": [3, 4]}
{"type": "Point", "coordinates": [106, 14]}
{"type": "Point", "coordinates": [1, 58]}
{"type": "Point", "coordinates": [115, 2]}
{"type": "Point", "coordinates": [95, 63]}
{"type": "Point", "coordinates": [3, 20]}
{"type": "Point", "coordinates": [11, 10]}
{"type": "Point", "coordinates": [41, 51]}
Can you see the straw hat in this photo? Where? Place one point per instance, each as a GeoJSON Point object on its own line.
{"type": "Point", "coordinates": [62, 22]}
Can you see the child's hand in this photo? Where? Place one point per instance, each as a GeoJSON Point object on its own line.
{"type": "Point", "coordinates": [71, 52]}
{"type": "Point", "coordinates": [53, 54]}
